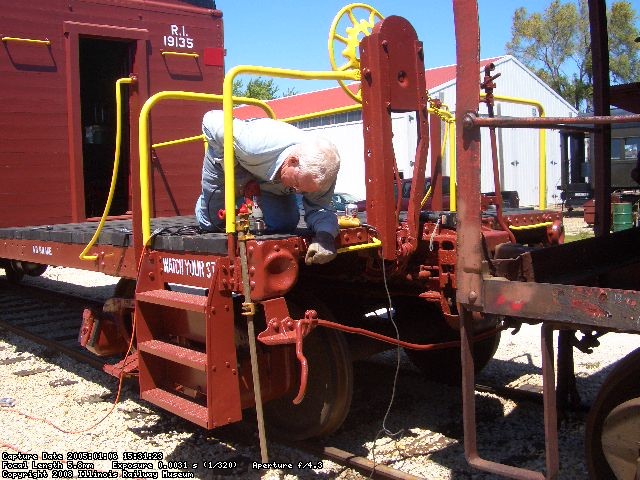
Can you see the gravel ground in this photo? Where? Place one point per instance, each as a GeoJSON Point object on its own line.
{"type": "Point", "coordinates": [76, 399]}
{"type": "Point", "coordinates": [574, 225]}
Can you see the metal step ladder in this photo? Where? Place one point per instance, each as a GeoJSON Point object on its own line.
{"type": "Point", "coordinates": [186, 349]}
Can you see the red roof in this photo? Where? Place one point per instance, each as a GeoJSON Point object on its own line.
{"type": "Point", "coordinates": [331, 98]}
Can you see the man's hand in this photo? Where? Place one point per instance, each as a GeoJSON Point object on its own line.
{"type": "Point", "coordinates": [322, 250]}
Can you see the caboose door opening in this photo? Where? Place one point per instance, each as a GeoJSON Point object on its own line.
{"type": "Point", "coordinates": [101, 64]}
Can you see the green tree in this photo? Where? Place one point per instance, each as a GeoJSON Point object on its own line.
{"type": "Point", "coordinates": [259, 88]}
{"type": "Point", "coordinates": [555, 44]}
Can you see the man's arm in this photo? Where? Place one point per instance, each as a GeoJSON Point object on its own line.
{"type": "Point", "coordinates": [319, 214]}
{"type": "Point", "coordinates": [321, 218]}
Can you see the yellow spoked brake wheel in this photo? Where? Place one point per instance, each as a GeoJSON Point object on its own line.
{"type": "Point", "coordinates": [360, 20]}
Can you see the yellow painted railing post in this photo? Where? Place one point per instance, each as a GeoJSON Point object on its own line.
{"type": "Point", "coordinates": [542, 168]}
{"type": "Point", "coordinates": [542, 145]}
{"type": "Point", "coordinates": [114, 175]}
{"type": "Point", "coordinates": [449, 139]}
{"type": "Point", "coordinates": [453, 205]}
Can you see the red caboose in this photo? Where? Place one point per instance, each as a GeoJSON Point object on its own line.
{"type": "Point", "coordinates": [59, 63]}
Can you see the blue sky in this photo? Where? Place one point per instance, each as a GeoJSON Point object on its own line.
{"type": "Point", "coordinates": [293, 33]}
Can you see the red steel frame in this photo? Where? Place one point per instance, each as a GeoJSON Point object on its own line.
{"type": "Point", "coordinates": [392, 64]}
{"type": "Point", "coordinates": [555, 305]}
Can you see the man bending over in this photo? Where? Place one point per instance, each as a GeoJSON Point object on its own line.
{"type": "Point", "coordinates": [284, 160]}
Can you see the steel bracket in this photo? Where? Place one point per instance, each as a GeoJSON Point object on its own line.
{"type": "Point", "coordinates": [289, 331]}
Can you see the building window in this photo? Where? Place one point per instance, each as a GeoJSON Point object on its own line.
{"type": "Point", "coordinates": [337, 118]}
{"type": "Point", "coordinates": [625, 149]}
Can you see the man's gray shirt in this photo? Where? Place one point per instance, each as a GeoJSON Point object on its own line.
{"type": "Point", "coordinates": [260, 148]}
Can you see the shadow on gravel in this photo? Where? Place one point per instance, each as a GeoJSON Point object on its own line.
{"type": "Point", "coordinates": [429, 417]}
{"type": "Point", "coordinates": [227, 452]}
{"type": "Point", "coordinates": [102, 292]}
{"type": "Point", "coordinates": [129, 390]}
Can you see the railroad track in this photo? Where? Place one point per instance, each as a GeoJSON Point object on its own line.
{"type": "Point", "coordinates": [48, 318]}
{"type": "Point", "coordinates": [53, 319]}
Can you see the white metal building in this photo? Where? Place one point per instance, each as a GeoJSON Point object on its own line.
{"type": "Point", "coordinates": [518, 149]}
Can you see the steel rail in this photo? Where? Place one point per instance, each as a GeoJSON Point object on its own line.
{"type": "Point", "coordinates": [344, 458]}
{"type": "Point", "coordinates": [76, 354]}
{"type": "Point", "coordinates": [347, 459]}
{"type": "Point", "coordinates": [57, 346]}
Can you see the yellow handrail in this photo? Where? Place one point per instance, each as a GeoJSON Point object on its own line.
{"type": "Point", "coordinates": [452, 167]}
{"type": "Point", "coordinates": [227, 107]}
{"type": "Point", "coordinates": [530, 227]}
{"type": "Point", "coordinates": [449, 135]}
{"type": "Point", "coordinates": [542, 144]}
{"type": "Point", "coordinates": [26, 40]}
{"type": "Point", "coordinates": [180, 54]}
{"type": "Point", "coordinates": [179, 141]}
{"type": "Point", "coordinates": [114, 175]}
{"type": "Point", "coordinates": [143, 142]}
{"type": "Point", "coordinates": [449, 119]}
{"type": "Point", "coordinates": [375, 243]}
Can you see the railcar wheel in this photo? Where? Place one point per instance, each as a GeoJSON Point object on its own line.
{"type": "Point", "coordinates": [33, 269]}
{"type": "Point", "coordinates": [329, 387]}
{"type": "Point", "coordinates": [420, 322]}
{"type": "Point", "coordinates": [13, 275]}
{"type": "Point", "coordinates": [611, 440]}
{"type": "Point", "coordinates": [15, 270]}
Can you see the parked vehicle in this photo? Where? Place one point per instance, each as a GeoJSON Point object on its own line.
{"type": "Point", "coordinates": [340, 200]}
{"type": "Point", "coordinates": [578, 167]}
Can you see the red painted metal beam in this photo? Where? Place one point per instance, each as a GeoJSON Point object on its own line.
{"type": "Point", "coordinates": [596, 307]}
{"type": "Point", "coordinates": [118, 261]}
{"type": "Point", "coordinates": [392, 65]}
{"type": "Point", "coordinates": [468, 153]}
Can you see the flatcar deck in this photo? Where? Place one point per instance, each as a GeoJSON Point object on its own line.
{"type": "Point", "coordinates": [176, 234]}
{"type": "Point", "coordinates": [113, 253]}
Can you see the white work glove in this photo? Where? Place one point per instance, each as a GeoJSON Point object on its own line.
{"type": "Point", "coordinates": [321, 250]}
